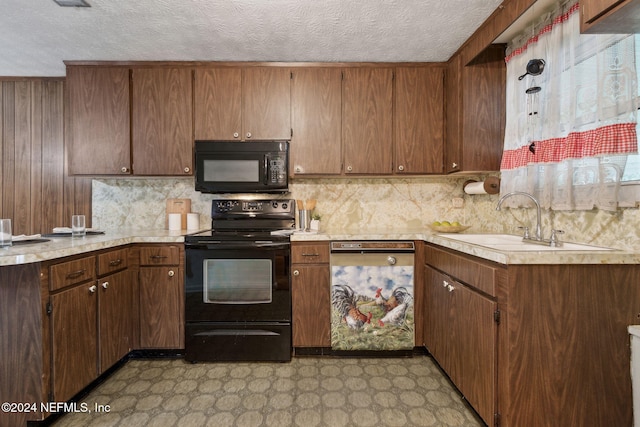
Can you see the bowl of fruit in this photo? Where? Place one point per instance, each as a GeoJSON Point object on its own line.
{"type": "Point", "coordinates": [448, 227]}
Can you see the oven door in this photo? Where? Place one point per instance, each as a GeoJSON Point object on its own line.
{"type": "Point", "coordinates": [237, 282]}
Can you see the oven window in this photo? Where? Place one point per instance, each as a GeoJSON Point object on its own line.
{"type": "Point", "coordinates": [237, 281]}
{"type": "Point", "coordinates": [231, 170]}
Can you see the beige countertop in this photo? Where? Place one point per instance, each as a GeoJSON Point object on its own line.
{"type": "Point", "coordinates": [59, 247]}
{"type": "Point", "coordinates": [501, 257]}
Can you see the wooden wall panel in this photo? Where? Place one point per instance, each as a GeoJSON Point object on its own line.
{"type": "Point", "coordinates": [36, 193]}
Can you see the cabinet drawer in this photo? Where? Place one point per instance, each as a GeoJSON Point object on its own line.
{"type": "Point", "coordinates": [112, 261]}
{"type": "Point", "coordinates": [309, 253]}
{"type": "Point", "coordinates": [474, 273]}
{"type": "Point", "coordinates": [72, 272]}
{"type": "Point", "coordinates": [159, 255]}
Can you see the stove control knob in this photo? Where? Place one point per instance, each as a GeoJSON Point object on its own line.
{"type": "Point", "coordinates": [285, 206]}
{"type": "Point", "coordinates": [274, 204]}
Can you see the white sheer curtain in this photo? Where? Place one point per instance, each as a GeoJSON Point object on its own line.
{"type": "Point", "coordinates": [569, 128]}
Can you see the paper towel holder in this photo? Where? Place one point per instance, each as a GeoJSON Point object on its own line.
{"type": "Point", "coordinates": [491, 185]}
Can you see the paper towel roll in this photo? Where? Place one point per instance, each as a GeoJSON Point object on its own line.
{"type": "Point", "coordinates": [475, 188]}
{"type": "Point", "coordinates": [193, 221]}
{"type": "Point", "coordinates": [175, 221]}
{"type": "Point", "coordinates": [491, 185]}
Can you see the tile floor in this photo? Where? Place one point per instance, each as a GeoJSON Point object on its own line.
{"type": "Point", "coordinates": [309, 391]}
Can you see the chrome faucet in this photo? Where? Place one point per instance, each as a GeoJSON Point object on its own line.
{"type": "Point", "coordinates": [522, 193]}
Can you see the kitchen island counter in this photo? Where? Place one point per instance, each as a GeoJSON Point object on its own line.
{"type": "Point", "coordinates": [59, 247]}
{"type": "Point", "coordinates": [546, 257]}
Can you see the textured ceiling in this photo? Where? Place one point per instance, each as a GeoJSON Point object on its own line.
{"type": "Point", "coordinates": [37, 35]}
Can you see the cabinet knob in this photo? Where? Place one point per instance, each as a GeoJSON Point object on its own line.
{"type": "Point", "coordinates": [187, 169]}
{"type": "Point", "coordinates": [248, 134]}
{"type": "Point", "coordinates": [392, 260]}
{"type": "Point", "coordinates": [445, 283]}
{"type": "Point", "coordinates": [349, 168]}
{"type": "Point", "coordinates": [298, 169]}
{"type": "Point", "coordinates": [93, 289]}
{"type": "Point", "coordinates": [171, 273]}
{"type": "Point", "coordinates": [454, 165]}
{"type": "Point", "coordinates": [400, 168]}
{"type": "Point", "coordinates": [296, 272]}
{"type": "Point", "coordinates": [450, 288]}
{"type": "Point", "coordinates": [236, 134]}
{"type": "Point", "coordinates": [124, 169]}
{"type": "Point", "coordinates": [105, 285]}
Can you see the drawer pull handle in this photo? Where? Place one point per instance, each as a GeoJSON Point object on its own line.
{"type": "Point", "coordinates": [75, 274]}
{"type": "Point", "coordinates": [105, 285]}
{"type": "Point", "coordinates": [158, 257]}
{"type": "Point", "coordinates": [115, 263]}
{"type": "Point", "coordinates": [310, 254]}
{"type": "Point", "coordinates": [93, 289]}
{"type": "Point", "coordinates": [171, 273]}
{"type": "Point", "coordinates": [296, 272]}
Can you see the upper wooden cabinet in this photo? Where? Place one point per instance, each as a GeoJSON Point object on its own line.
{"type": "Point", "coordinates": [418, 123]}
{"type": "Point", "coordinates": [476, 111]}
{"type": "Point", "coordinates": [610, 16]}
{"type": "Point", "coordinates": [250, 103]}
{"type": "Point", "coordinates": [367, 112]}
{"type": "Point", "coordinates": [98, 111]}
{"type": "Point", "coordinates": [103, 140]}
{"type": "Point", "coordinates": [316, 102]}
{"type": "Point", "coordinates": [161, 116]}
{"type": "Point", "coordinates": [453, 120]}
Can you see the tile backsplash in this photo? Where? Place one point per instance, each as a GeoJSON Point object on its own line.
{"type": "Point", "coordinates": [368, 204]}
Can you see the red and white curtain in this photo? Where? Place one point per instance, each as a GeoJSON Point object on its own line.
{"type": "Point", "coordinates": [569, 128]}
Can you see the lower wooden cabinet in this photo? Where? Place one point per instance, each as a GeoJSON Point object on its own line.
{"type": "Point", "coordinates": [462, 337]}
{"type": "Point", "coordinates": [93, 320]}
{"type": "Point", "coordinates": [161, 284]}
{"type": "Point", "coordinates": [533, 345]}
{"type": "Point", "coordinates": [117, 317]}
{"type": "Point", "coordinates": [74, 339]}
{"type": "Point", "coordinates": [310, 294]}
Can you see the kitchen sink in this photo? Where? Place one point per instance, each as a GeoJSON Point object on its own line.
{"type": "Point", "coordinates": [509, 242]}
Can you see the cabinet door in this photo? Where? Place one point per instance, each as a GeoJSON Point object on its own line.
{"type": "Point", "coordinates": [367, 105]}
{"type": "Point", "coordinates": [74, 342]}
{"type": "Point", "coordinates": [439, 330]}
{"type": "Point", "coordinates": [161, 307]}
{"type": "Point", "coordinates": [316, 143]}
{"type": "Point", "coordinates": [475, 348]}
{"type": "Point", "coordinates": [453, 120]}
{"type": "Point", "coordinates": [161, 128]}
{"type": "Point", "coordinates": [461, 334]}
{"type": "Point", "coordinates": [484, 111]}
{"type": "Point", "coordinates": [266, 97]}
{"type": "Point", "coordinates": [99, 142]}
{"type": "Point", "coordinates": [311, 302]}
{"type": "Point", "coordinates": [591, 9]}
{"type": "Point", "coordinates": [419, 120]}
{"type": "Point", "coordinates": [218, 104]}
{"type": "Point", "coordinates": [117, 322]}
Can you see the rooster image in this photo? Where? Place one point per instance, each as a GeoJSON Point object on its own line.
{"type": "Point", "coordinates": [344, 300]}
{"type": "Point", "coordinates": [398, 296]}
{"type": "Point", "coordinates": [395, 307]}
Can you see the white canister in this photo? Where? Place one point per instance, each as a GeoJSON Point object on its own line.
{"type": "Point", "coordinates": [175, 221]}
{"type": "Point", "coordinates": [193, 221]}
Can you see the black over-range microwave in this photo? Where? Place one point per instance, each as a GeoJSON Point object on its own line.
{"type": "Point", "coordinates": [242, 167]}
